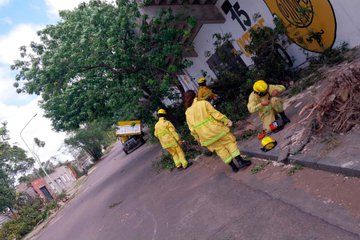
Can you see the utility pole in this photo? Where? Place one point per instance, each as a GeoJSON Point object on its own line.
{"type": "Point", "coordinates": [36, 157]}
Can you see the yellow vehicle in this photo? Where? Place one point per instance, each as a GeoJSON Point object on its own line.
{"type": "Point", "coordinates": [130, 134]}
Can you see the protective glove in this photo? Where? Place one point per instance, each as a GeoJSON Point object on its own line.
{"type": "Point", "coordinates": [265, 103]}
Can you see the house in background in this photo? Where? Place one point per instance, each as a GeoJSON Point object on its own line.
{"type": "Point", "coordinates": [27, 189]}
{"type": "Point", "coordinates": [4, 218]}
{"type": "Point", "coordinates": [62, 179]}
{"type": "Point", "coordinates": [43, 190]}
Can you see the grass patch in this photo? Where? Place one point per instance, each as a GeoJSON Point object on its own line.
{"type": "Point", "coordinates": [165, 162]}
{"type": "Point", "coordinates": [312, 74]}
{"type": "Point", "coordinates": [191, 154]}
{"type": "Point", "coordinates": [259, 167]}
{"type": "Point", "coordinates": [305, 82]}
{"type": "Point", "coordinates": [247, 134]}
{"type": "Point", "coordinates": [294, 169]}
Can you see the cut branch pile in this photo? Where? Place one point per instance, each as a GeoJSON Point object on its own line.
{"type": "Point", "coordinates": [338, 105]}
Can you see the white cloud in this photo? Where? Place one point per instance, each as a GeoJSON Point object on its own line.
{"type": "Point", "coordinates": [6, 20]}
{"type": "Point", "coordinates": [18, 109]}
{"type": "Point", "coordinates": [4, 2]}
{"type": "Point", "coordinates": [10, 43]}
{"type": "Point", "coordinates": [7, 91]}
{"type": "Point", "coordinates": [40, 127]}
{"type": "Point", "coordinates": [54, 6]}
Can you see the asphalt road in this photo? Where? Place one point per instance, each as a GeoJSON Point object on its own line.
{"type": "Point", "coordinates": [125, 199]}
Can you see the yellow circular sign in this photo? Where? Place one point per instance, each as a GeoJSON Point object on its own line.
{"type": "Point", "coordinates": [311, 24]}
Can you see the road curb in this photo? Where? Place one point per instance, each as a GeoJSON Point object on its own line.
{"type": "Point", "coordinates": [308, 162]}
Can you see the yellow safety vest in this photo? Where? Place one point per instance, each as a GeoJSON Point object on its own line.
{"type": "Point", "coordinates": [206, 124]}
{"type": "Point", "coordinates": [166, 133]}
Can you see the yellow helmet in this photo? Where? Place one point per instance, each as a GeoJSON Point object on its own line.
{"type": "Point", "coordinates": [201, 80]}
{"type": "Point", "coordinates": [268, 143]}
{"type": "Point", "coordinates": [161, 111]}
{"type": "Point", "coordinates": [260, 86]}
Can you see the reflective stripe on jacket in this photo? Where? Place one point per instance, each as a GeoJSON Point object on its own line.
{"type": "Point", "coordinates": [254, 104]}
{"type": "Point", "coordinates": [206, 124]}
{"type": "Point", "coordinates": [166, 133]}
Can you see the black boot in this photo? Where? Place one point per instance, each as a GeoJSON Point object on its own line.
{"type": "Point", "coordinates": [189, 165]}
{"type": "Point", "coordinates": [234, 168]}
{"type": "Point", "coordinates": [284, 117]}
{"type": "Point", "coordinates": [242, 163]}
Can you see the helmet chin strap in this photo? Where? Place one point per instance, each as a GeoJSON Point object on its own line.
{"type": "Point", "coordinates": [261, 94]}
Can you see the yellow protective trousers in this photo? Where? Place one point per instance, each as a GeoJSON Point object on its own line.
{"type": "Point", "coordinates": [178, 156]}
{"type": "Point", "coordinates": [268, 115]}
{"type": "Point", "coordinates": [226, 148]}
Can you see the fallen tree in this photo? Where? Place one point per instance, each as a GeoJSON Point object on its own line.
{"type": "Point", "coordinates": [338, 106]}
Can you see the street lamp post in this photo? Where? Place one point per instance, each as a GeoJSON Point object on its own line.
{"type": "Point", "coordinates": [36, 157]}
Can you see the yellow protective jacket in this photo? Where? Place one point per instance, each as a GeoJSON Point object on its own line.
{"type": "Point", "coordinates": [255, 100]}
{"type": "Point", "coordinates": [166, 133]}
{"type": "Point", "coordinates": [206, 124]}
{"type": "Point", "coordinates": [205, 93]}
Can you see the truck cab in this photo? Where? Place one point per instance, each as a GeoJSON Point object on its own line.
{"type": "Point", "coordinates": [130, 134]}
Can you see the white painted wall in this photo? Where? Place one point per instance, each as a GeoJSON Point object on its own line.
{"type": "Point", "coordinates": [348, 21]}
{"type": "Point", "coordinates": [204, 39]}
{"type": "Point", "coordinates": [348, 30]}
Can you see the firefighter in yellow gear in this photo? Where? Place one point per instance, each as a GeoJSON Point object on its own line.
{"type": "Point", "coordinates": [205, 93]}
{"type": "Point", "coordinates": [212, 130]}
{"type": "Point", "coordinates": [265, 101]}
{"type": "Point", "coordinates": [170, 140]}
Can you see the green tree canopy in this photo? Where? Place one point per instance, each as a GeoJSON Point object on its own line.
{"type": "Point", "coordinates": [103, 62]}
{"type": "Point", "coordinates": [7, 191]}
{"type": "Point", "coordinates": [13, 161]}
{"type": "Point", "coordinates": [92, 139]}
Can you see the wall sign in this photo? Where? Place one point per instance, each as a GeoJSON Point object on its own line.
{"type": "Point", "coordinates": [311, 24]}
{"type": "Point", "coordinates": [237, 14]}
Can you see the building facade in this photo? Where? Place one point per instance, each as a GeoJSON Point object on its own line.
{"type": "Point", "coordinates": [27, 189]}
{"type": "Point", "coordinates": [43, 190]}
{"type": "Point", "coordinates": [4, 218]}
{"type": "Point", "coordinates": [312, 26]}
{"type": "Point", "coordinates": [62, 179]}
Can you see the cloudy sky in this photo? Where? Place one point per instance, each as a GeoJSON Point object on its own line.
{"type": "Point", "coordinates": [19, 21]}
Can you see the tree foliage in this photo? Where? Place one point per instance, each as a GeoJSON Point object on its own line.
{"type": "Point", "coordinates": [103, 62]}
{"type": "Point", "coordinates": [49, 167]}
{"type": "Point", "coordinates": [31, 212]}
{"type": "Point", "coordinates": [7, 191]}
{"type": "Point", "coordinates": [92, 139]}
{"type": "Point", "coordinates": [39, 143]}
{"type": "Point", "coordinates": [234, 78]}
{"type": "Point", "coordinates": [13, 160]}
{"type": "Point", "coordinates": [266, 46]}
